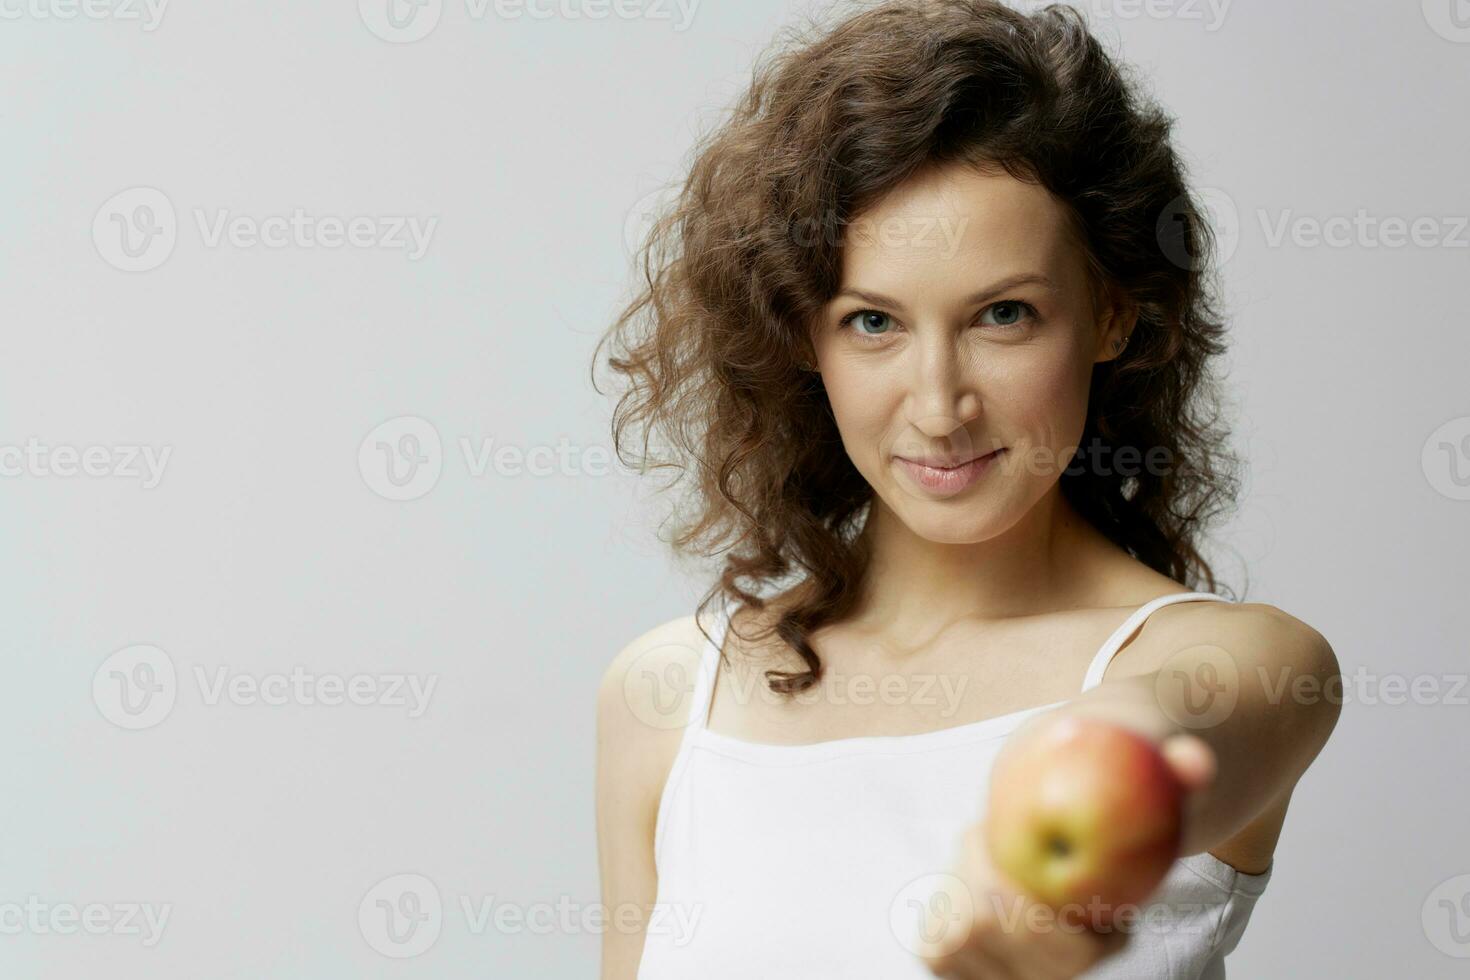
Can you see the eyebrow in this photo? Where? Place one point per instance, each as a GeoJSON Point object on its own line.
{"type": "Point", "coordinates": [1025, 279]}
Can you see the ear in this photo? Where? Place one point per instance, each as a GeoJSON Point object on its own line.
{"type": "Point", "coordinates": [1117, 315]}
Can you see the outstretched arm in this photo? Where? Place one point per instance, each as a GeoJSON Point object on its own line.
{"type": "Point", "coordinates": [1240, 697]}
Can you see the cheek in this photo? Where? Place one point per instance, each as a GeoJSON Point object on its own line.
{"type": "Point", "coordinates": [1042, 398]}
{"type": "Point", "coordinates": [860, 404]}
{"type": "Point", "coordinates": [867, 404]}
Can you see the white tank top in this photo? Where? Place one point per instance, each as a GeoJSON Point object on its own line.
{"type": "Point", "coordinates": [804, 862]}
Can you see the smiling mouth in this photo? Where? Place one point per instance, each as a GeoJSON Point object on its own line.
{"type": "Point", "coordinates": [947, 481]}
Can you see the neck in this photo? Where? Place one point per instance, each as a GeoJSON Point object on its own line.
{"type": "Point", "coordinates": [1043, 562]}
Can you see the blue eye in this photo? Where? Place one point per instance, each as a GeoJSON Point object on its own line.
{"type": "Point", "coordinates": [1008, 313]}
{"type": "Point", "coordinates": [865, 318]}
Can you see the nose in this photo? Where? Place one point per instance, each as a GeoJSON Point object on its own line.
{"type": "Point", "coordinates": [942, 395]}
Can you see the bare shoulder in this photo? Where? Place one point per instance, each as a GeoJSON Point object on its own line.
{"type": "Point", "coordinates": [1255, 635]}
{"type": "Point", "coordinates": [643, 703]}
{"type": "Point", "coordinates": [1254, 626]}
{"type": "Point", "coordinates": [646, 688]}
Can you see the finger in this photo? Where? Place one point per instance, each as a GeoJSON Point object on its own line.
{"type": "Point", "coordinates": [1071, 954]}
{"type": "Point", "coordinates": [985, 964]}
{"type": "Point", "coordinates": [1051, 949]}
{"type": "Point", "coordinates": [977, 957]}
{"type": "Point", "coordinates": [1192, 760]}
{"type": "Point", "coordinates": [1063, 955]}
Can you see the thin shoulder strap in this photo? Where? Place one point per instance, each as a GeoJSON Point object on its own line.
{"type": "Point", "coordinates": [1130, 626]}
{"type": "Point", "coordinates": [709, 665]}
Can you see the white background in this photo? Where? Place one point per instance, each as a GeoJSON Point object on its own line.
{"type": "Point", "coordinates": [265, 546]}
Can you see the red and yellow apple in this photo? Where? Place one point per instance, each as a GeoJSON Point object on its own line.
{"type": "Point", "coordinates": [1084, 812]}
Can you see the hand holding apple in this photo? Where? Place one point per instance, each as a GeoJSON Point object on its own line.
{"type": "Point", "coordinates": [986, 926]}
{"type": "Point", "coordinates": [1087, 812]}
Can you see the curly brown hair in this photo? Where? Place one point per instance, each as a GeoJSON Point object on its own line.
{"type": "Point", "coordinates": [712, 346]}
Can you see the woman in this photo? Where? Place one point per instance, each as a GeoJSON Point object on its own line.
{"type": "Point", "coordinates": [929, 327]}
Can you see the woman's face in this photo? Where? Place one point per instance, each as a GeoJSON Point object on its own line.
{"type": "Point", "coordinates": [969, 328]}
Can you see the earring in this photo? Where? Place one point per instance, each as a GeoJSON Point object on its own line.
{"type": "Point", "coordinates": [1120, 344]}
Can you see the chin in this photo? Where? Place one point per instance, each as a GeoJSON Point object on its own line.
{"type": "Point", "coordinates": [951, 535]}
{"type": "Point", "coordinates": [948, 531]}
{"type": "Point", "coordinates": [963, 520]}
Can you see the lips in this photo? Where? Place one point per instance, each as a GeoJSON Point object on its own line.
{"type": "Point", "coordinates": [947, 462]}
{"type": "Point", "coordinates": [946, 481]}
